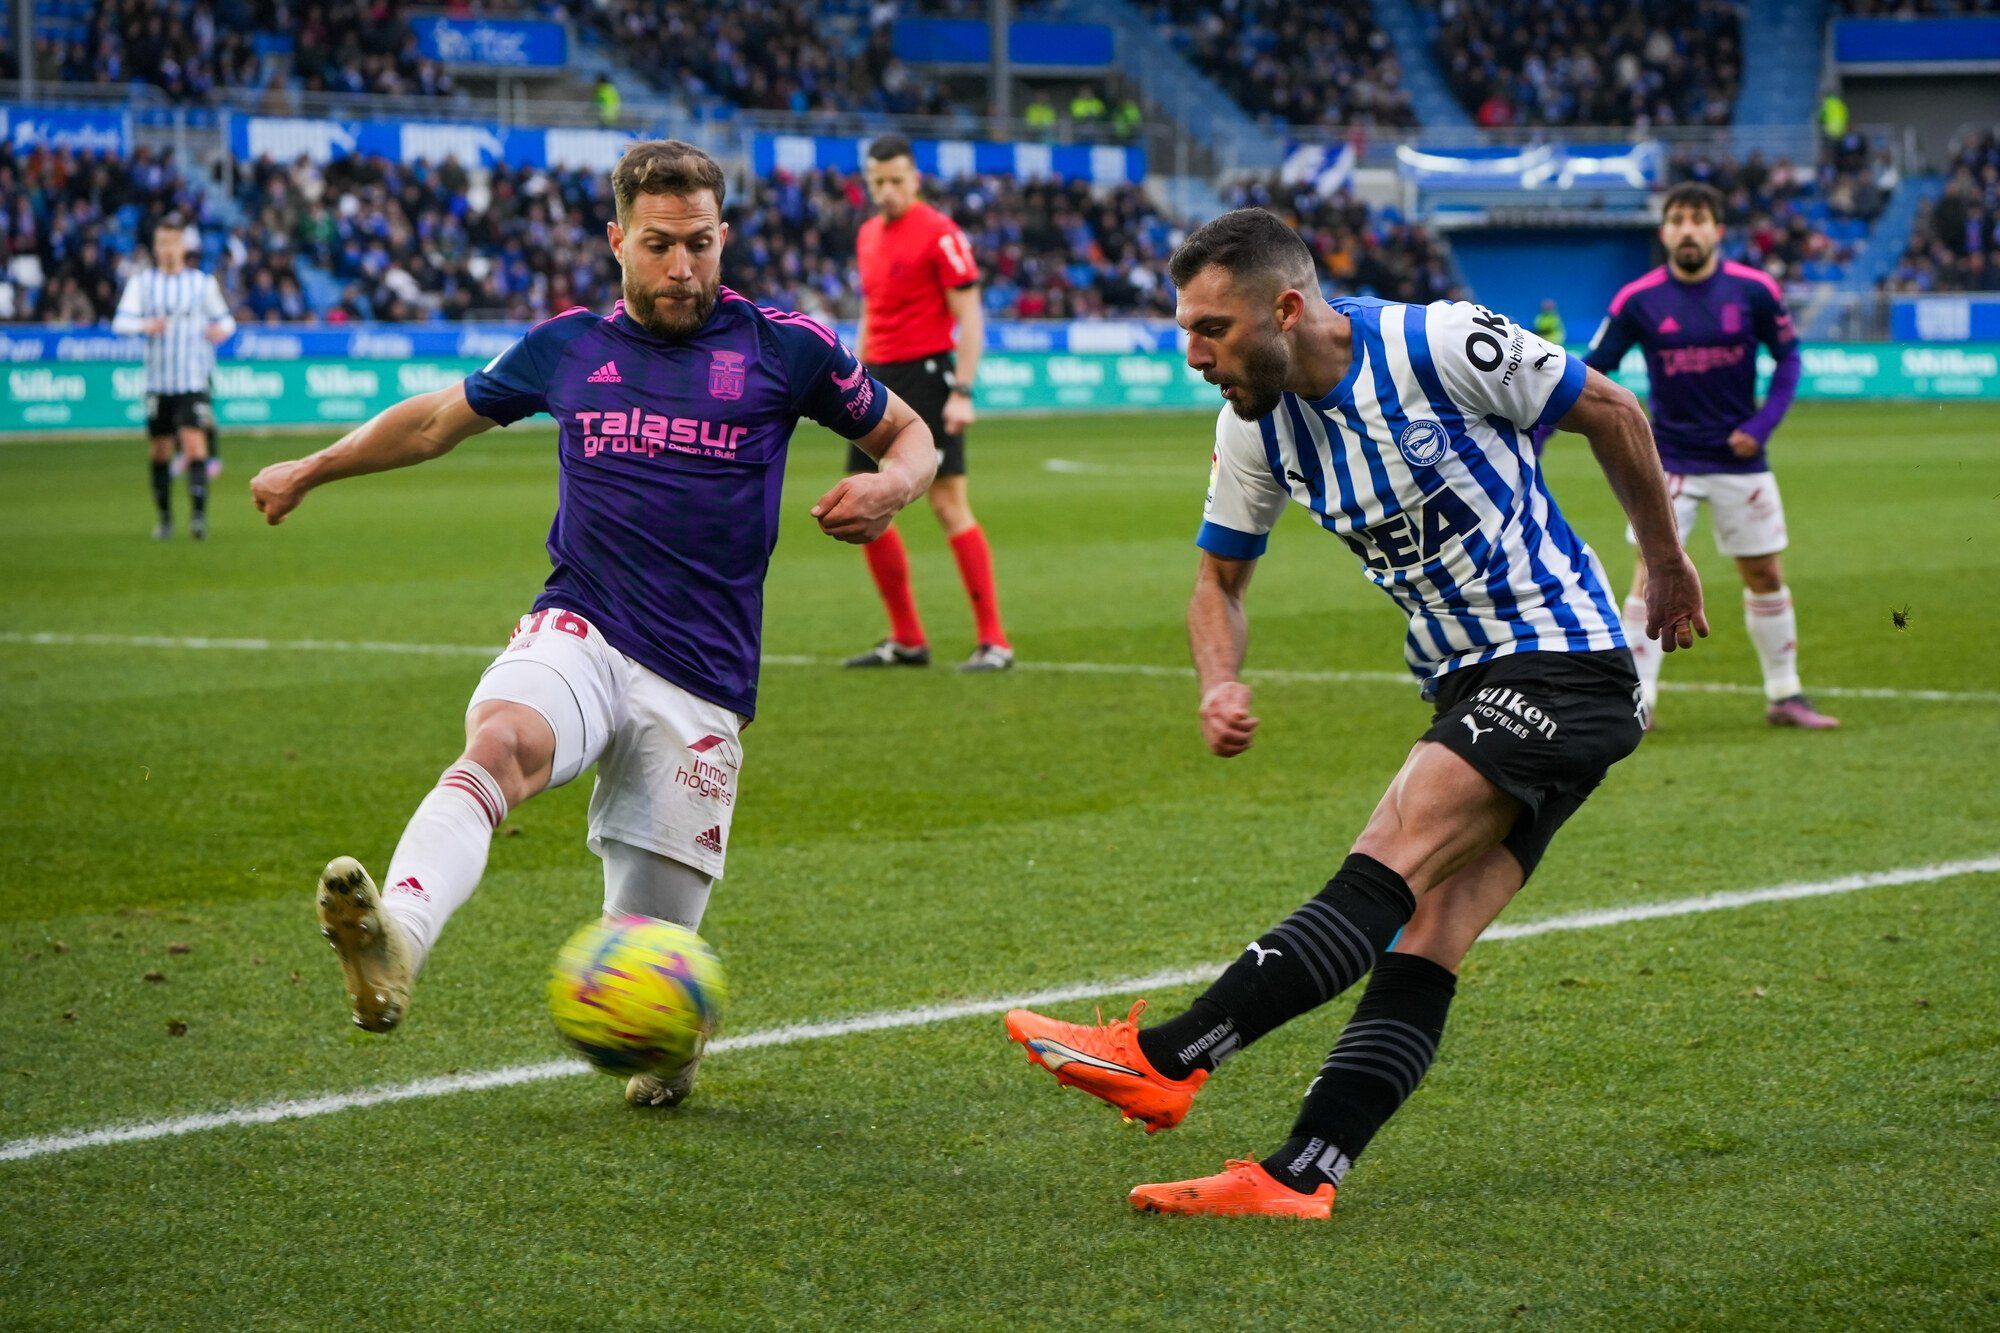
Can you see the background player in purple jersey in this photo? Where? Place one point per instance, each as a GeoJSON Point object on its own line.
{"type": "Point", "coordinates": [640, 656]}
{"type": "Point", "coordinates": [1699, 319]}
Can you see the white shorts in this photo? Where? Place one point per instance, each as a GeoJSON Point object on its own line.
{"type": "Point", "coordinates": [667, 762]}
{"type": "Point", "coordinates": [1749, 515]}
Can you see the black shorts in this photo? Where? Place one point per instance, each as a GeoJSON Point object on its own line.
{"type": "Point", "coordinates": [167, 413]}
{"type": "Point", "coordinates": [924, 384]}
{"type": "Point", "coordinates": [1542, 727]}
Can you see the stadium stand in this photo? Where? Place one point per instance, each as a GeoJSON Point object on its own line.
{"type": "Point", "coordinates": [1798, 225]}
{"type": "Point", "coordinates": [774, 55]}
{"type": "Point", "coordinates": [68, 220]}
{"type": "Point", "coordinates": [1359, 250]}
{"type": "Point", "coordinates": [1047, 249]}
{"type": "Point", "coordinates": [1303, 65]}
{"type": "Point", "coordinates": [1913, 9]}
{"type": "Point", "coordinates": [1954, 243]}
{"type": "Point", "coordinates": [1592, 62]}
{"type": "Point", "coordinates": [191, 48]}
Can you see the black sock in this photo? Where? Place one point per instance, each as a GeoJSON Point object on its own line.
{"type": "Point", "coordinates": [1298, 965]}
{"type": "Point", "coordinates": [197, 480]}
{"type": "Point", "coordinates": [163, 491]}
{"type": "Point", "coordinates": [1374, 1067]}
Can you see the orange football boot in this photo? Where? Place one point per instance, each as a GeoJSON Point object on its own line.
{"type": "Point", "coordinates": [1104, 1060]}
{"type": "Point", "coordinates": [1244, 1189]}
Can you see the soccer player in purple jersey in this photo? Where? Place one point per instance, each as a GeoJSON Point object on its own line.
{"type": "Point", "coordinates": [1699, 320]}
{"type": "Point", "coordinates": [641, 655]}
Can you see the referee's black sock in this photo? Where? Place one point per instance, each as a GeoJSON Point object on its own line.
{"type": "Point", "coordinates": [1299, 964]}
{"type": "Point", "coordinates": [1374, 1067]}
{"type": "Point", "coordinates": [197, 480]}
{"type": "Point", "coordinates": [163, 489]}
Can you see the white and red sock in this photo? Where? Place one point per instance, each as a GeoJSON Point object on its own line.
{"type": "Point", "coordinates": [442, 854]}
{"type": "Point", "coordinates": [889, 564]}
{"type": "Point", "coordinates": [1774, 629]}
{"type": "Point", "coordinates": [1646, 653]}
{"type": "Point", "coordinates": [975, 569]}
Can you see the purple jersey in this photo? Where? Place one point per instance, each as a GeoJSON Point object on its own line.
{"type": "Point", "coordinates": [1700, 341]}
{"type": "Point", "coordinates": [672, 460]}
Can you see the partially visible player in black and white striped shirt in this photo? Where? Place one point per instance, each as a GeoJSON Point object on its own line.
{"type": "Point", "coordinates": [183, 315]}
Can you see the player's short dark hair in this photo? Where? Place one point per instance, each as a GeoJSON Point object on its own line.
{"type": "Point", "coordinates": [1693, 194]}
{"type": "Point", "coordinates": [664, 166]}
{"type": "Point", "coordinates": [889, 147]}
{"type": "Point", "coordinates": [1250, 243]}
{"type": "Point", "coordinates": [169, 222]}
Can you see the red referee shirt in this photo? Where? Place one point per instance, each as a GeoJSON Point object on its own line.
{"type": "Point", "coordinates": [906, 268]}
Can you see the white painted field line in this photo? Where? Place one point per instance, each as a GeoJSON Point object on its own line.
{"type": "Point", "coordinates": [1277, 675]}
{"type": "Point", "coordinates": [924, 1016]}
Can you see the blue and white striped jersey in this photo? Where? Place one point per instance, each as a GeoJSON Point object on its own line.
{"type": "Point", "coordinates": [1420, 461]}
{"type": "Point", "coordinates": [179, 359]}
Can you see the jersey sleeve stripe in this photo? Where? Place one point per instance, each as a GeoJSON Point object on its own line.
{"type": "Point", "coordinates": [1756, 275]}
{"type": "Point", "coordinates": [1637, 285]}
{"type": "Point", "coordinates": [1230, 544]}
{"type": "Point", "coordinates": [1568, 389]}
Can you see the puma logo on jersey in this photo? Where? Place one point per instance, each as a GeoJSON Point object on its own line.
{"type": "Point", "coordinates": [1473, 727]}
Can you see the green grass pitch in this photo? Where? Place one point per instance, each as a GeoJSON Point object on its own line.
{"type": "Point", "coordinates": [1784, 1115]}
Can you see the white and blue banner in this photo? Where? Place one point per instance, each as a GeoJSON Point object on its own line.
{"type": "Point", "coordinates": [1100, 164]}
{"type": "Point", "coordinates": [496, 44]}
{"type": "Point", "coordinates": [22, 344]}
{"type": "Point", "coordinates": [1327, 168]}
{"type": "Point", "coordinates": [1637, 166]}
{"type": "Point", "coordinates": [286, 138]}
{"type": "Point", "coordinates": [24, 128]}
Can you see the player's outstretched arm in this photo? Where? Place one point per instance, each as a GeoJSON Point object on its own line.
{"type": "Point", "coordinates": [1218, 635]}
{"type": "Point", "coordinates": [413, 431]}
{"type": "Point", "coordinates": [1614, 423]}
{"type": "Point", "coordinates": [859, 508]}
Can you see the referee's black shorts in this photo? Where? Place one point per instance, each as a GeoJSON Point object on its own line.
{"type": "Point", "coordinates": [168, 413]}
{"type": "Point", "coordinates": [1542, 727]}
{"type": "Point", "coordinates": [924, 384]}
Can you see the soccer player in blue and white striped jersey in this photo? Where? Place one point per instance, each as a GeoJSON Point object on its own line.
{"type": "Point", "coordinates": [1403, 430]}
{"type": "Point", "coordinates": [183, 315]}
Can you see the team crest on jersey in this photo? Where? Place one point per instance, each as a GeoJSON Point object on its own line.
{"type": "Point", "coordinates": [725, 375]}
{"type": "Point", "coordinates": [1422, 442]}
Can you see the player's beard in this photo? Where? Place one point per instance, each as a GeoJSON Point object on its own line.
{"type": "Point", "coordinates": [1691, 256]}
{"type": "Point", "coordinates": [675, 319]}
{"type": "Point", "coordinates": [1267, 364]}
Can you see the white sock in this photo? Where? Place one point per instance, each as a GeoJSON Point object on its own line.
{"type": "Point", "coordinates": [442, 854]}
{"type": "Point", "coordinates": [1645, 652]}
{"type": "Point", "coordinates": [1774, 628]}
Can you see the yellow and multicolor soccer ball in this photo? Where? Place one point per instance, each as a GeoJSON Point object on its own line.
{"type": "Point", "coordinates": [636, 995]}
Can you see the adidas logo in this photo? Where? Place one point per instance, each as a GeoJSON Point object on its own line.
{"type": "Point", "coordinates": [606, 374]}
{"type": "Point", "coordinates": [710, 841]}
{"type": "Point", "coordinates": [1667, 325]}
{"type": "Point", "coordinates": [408, 884]}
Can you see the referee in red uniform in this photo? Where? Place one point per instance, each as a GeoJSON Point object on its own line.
{"type": "Point", "coordinates": [918, 281]}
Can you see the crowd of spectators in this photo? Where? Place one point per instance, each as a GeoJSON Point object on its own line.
{"type": "Point", "coordinates": [1797, 224]}
{"type": "Point", "coordinates": [1955, 241]}
{"type": "Point", "coordinates": [1300, 64]}
{"type": "Point", "coordinates": [1046, 249]}
{"type": "Point", "coordinates": [1592, 62]}
{"type": "Point", "coordinates": [419, 242]}
{"type": "Point", "coordinates": [1358, 250]}
{"type": "Point", "coordinates": [68, 219]}
{"type": "Point", "coordinates": [190, 49]}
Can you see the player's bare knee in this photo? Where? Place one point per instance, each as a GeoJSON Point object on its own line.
{"type": "Point", "coordinates": [948, 502]}
{"type": "Point", "coordinates": [515, 744]}
{"type": "Point", "coordinates": [1761, 573]}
